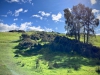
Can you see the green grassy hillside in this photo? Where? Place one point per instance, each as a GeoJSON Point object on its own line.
{"type": "Point", "coordinates": [48, 63]}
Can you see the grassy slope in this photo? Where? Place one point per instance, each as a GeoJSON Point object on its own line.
{"type": "Point", "coordinates": [9, 65]}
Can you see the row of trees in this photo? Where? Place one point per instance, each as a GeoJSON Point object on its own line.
{"type": "Point", "coordinates": [17, 31]}
{"type": "Point", "coordinates": [80, 19]}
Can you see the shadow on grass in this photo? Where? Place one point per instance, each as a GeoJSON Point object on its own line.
{"type": "Point", "coordinates": [63, 52]}
{"type": "Point", "coordinates": [16, 41]}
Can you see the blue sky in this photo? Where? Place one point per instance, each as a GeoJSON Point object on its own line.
{"type": "Point", "coordinates": [39, 15]}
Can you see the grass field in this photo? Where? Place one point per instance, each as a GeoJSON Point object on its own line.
{"type": "Point", "coordinates": [26, 65]}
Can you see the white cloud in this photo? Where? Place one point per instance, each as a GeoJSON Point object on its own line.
{"type": "Point", "coordinates": [56, 17]}
{"type": "Point", "coordinates": [36, 28]}
{"type": "Point", "coordinates": [25, 10]}
{"type": "Point", "coordinates": [15, 19]}
{"type": "Point", "coordinates": [38, 16]}
{"type": "Point", "coordinates": [10, 1]}
{"type": "Point", "coordinates": [18, 11]}
{"type": "Point", "coordinates": [98, 34]}
{"type": "Point", "coordinates": [95, 11]}
{"type": "Point", "coordinates": [40, 29]}
{"type": "Point", "coordinates": [9, 12]}
{"type": "Point", "coordinates": [44, 13]}
{"type": "Point", "coordinates": [93, 1]}
{"type": "Point", "coordinates": [98, 16]}
{"type": "Point", "coordinates": [48, 29]}
{"type": "Point", "coordinates": [4, 15]}
{"type": "Point", "coordinates": [70, 9]}
{"type": "Point", "coordinates": [20, 1]}
{"type": "Point", "coordinates": [6, 27]}
{"type": "Point", "coordinates": [24, 26]}
{"type": "Point", "coordinates": [27, 1]}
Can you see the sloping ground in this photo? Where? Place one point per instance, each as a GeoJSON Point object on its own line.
{"type": "Point", "coordinates": [4, 70]}
{"type": "Point", "coordinates": [6, 53]}
{"type": "Point", "coordinates": [9, 65]}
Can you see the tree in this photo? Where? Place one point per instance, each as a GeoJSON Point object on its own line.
{"type": "Point", "coordinates": [80, 20]}
{"type": "Point", "coordinates": [73, 20]}
{"type": "Point", "coordinates": [90, 22]}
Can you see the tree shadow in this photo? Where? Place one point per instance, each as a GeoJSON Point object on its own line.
{"type": "Point", "coordinates": [16, 41]}
{"type": "Point", "coordinates": [63, 52]}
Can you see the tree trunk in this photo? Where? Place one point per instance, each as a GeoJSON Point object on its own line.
{"type": "Point", "coordinates": [88, 34]}
{"type": "Point", "coordinates": [78, 35]}
{"type": "Point", "coordinates": [84, 34]}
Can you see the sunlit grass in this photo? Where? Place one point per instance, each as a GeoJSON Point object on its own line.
{"type": "Point", "coordinates": [27, 65]}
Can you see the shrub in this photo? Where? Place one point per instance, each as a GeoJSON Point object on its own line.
{"type": "Point", "coordinates": [56, 65]}
{"type": "Point", "coordinates": [35, 36]}
{"type": "Point", "coordinates": [23, 65]}
{"type": "Point", "coordinates": [21, 31]}
{"type": "Point", "coordinates": [98, 69]}
{"type": "Point", "coordinates": [26, 43]}
{"type": "Point", "coordinates": [50, 65]}
{"type": "Point", "coordinates": [24, 36]}
{"type": "Point", "coordinates": [16, 55]}
{"type": "Point", "coordinates": [76, 67]}
{"type": "Point", "coordinates": [13, 31]}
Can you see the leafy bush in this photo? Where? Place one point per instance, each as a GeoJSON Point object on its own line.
{"type": "Point", "coordinates": [44, 36]}
{"type": "Point", "coordinates": [26, 43]}
{"type": "Point", "coordinates": [35, 37]}
{"type": "Point", "coordinates": [56, 65]}
{"type": "Point", "coordinates": [24, 36]}
{"type": "Point", "coordinates": [16, 55]}
{"type": "Point", "coordinates": [76, 67]}
{"type": "Point", "coordinates": [50, 65]}
{"type": "Point", "coordinates": [98, 69]}
{"type": "Point", "coordinates": [17, 31]}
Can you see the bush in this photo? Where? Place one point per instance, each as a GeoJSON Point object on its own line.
{"type": "Point", "coordinates": [23, 65]}
{"type": "Point", "coordinates": [56, 65]}
{"type": "Point", "coordinates": [16, 55]}
{"type": "Point", "coordinates": [21, 31]}
{"type": "Point", "coordinates": [98, 69]}
{"type": "Point", "coordinates": [50, 65]}
{"type": "Point", "coordinates": [35, 36]}
{"type": "Point", "coordinates": [26, 43]}
{"type": "Point", "coordinates": [76, 67]}
{"type": "Point", "coordinates": [24, 36]}
{"type": "Point", "coordinates": [13, 31]}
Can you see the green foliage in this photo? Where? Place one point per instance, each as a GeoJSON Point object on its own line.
{"type": "Point", "coordinates": [13, 66]}
{"type": "Point", "coordinates": [35, 36]}
{"type": "Point", "coordinates": [98, 69]}
{"type": "Point", "coordinates": [80, 20]}
{"type": "Point", "coordinates": [16, 55]}
{"type": "Point", "coordinates": [63, 44]}
{"type": "Point", "coordinates": [50, 65]}
{"type": "Point", "coordinates": [17, 31]}
{"type": "Point", "coordinates": [55, 65]}
{"type": "Point", "coordinates": [44, 36]}
{"type": "Point", "coordinates": [26, 43]}
{"type": "Point", "coordinates": [76, 67]}
{"type": "Point", "coordinates": [24, 36]}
